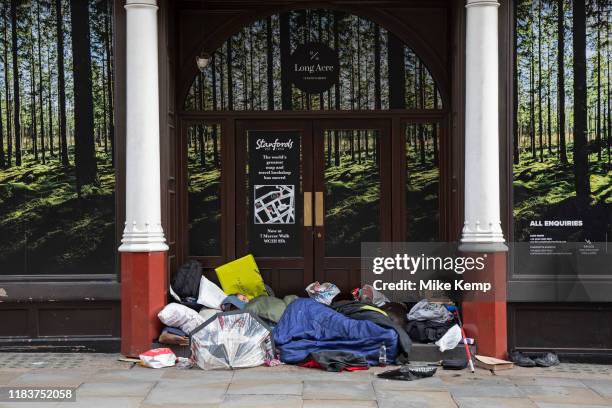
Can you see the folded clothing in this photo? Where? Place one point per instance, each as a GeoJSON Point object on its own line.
{"type": "Point", "coordinates": [308, 326]}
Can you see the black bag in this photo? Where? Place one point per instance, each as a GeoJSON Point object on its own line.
{"type": "Point", "coordinates": [186, 281]}
{"type": "Point", "coordinates": [454, 364]}
{"type": "Point", "coordinates": [427, 331]}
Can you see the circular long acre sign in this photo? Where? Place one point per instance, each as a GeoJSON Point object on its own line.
{"type": "Point", "coordinates": [314, 67]}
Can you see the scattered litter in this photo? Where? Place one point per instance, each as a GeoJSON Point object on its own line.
{"type": "Point", "coordinates": [129, 360]}
{"type": "Point", "coordinates": [183, 363]}
{"type": "Point", "coordinates": [492, 363]}
{"type": "Point", "coordinates": [408, 373]}
{"type": "Point", "coordinates": [158, 358]}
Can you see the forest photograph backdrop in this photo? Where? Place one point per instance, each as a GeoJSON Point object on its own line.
{"type": "Point", "coordinates": [377, 71]}
{"type": "Point", "coordinates": [57, 177]}
{"type": "Point", "coordinates": [561, 159]}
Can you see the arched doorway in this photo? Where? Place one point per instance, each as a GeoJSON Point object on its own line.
{"type": "Point", "coordinates": [370, 158]}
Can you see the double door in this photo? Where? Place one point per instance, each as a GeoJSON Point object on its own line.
{"type": "Point", "coordinates": [308, 193]}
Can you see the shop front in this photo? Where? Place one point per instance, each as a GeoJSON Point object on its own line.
{"type": "Point", "coordinates": [296, 131]}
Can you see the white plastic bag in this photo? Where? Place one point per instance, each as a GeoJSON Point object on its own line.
{"type": "Point", "coordinates": [177, 315]}
{"type": "Point", "coordinates": [450, 339]}
{"type": "Point", "coordinates": [322, 292]}
{"type": "Point", "coordinates": [210, 295]}
{"type": "Point", "coordinates": [158, 358]}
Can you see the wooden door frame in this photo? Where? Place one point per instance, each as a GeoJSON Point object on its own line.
{"type": "Point", "coordinates": [229, 120]}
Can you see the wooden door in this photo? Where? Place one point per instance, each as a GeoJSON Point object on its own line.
{"type": "Point", "coordinates": [352, 194]}
{"type": "Point", "coordinates": [286, 267]}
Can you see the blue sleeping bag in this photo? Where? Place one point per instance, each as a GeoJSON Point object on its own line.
{"type": "Point", "coordinates": [308, 326]}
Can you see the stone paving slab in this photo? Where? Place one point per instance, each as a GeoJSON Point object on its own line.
{"type": "Point", "coordinates": [115, 386]}
{"type": "Point", "coordinates": [175, 392]}
{"type": "Point", "coordinates": [602, 387]}
{"type": "Point", "coordinates": [339, 404]}
{"type": "Point", "coordinates": [254, 387]}
{"type": "Point", "coordinates": [121, 389]}
{"type": "Point", "coordinates": [415, 399]}
{"type": "Point", "coordinates": [332, 390]}
{"type": "Point", "coordinates": [563, 395]}
{"type": "Point", "coordinates": [484, 390]}
{"type": "Point", "coordinates": [475, 402]}
{"type": "Point", "coordinates": [261, 401]}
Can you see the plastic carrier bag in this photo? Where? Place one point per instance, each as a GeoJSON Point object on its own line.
{"type": "Point", "coordinates": [450, 339]}
{"type": "Point", "coordinates": [158, 358]}
{"type": "Point", "coordinates": [322, 292]}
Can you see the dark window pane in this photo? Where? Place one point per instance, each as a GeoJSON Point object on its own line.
{"type": "Point", "coordinates": [422, 182]}
{"type": "Point", "coordinates": [204, 189]}
{"type": "Point", "coordinates": [352, 190]}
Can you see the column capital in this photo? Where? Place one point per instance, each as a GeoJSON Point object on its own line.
{"type": "Point", "coordinates": [482, 3]}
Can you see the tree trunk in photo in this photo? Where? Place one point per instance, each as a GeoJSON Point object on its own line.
{"type": "Point", "coordinates": [108, 45]}
{"type": "Point", "coordinates": [230, 80]}
{"type": "Point", "coordinates": [397, 72]}
{"type": "Point", "coordinates": [49, 104]}
{"type": "Point", "coordinates": [581, 163]}
{"type": "Point", "coordinates": [16, 101]}
{"type": "Point", "coordinates": [598, 114]}
{"type": "Point", "coordinates": [561, 79]}
{"type": "Point", "coordinates": [532, 98]}
{"type": "Point", "coordinates": [215, 145]}
{"type": "Point", "coordinates": [199, 127]}
{"type": "Point", "coordinates": [40, 84]}
{"type": "Point", "coordinates": [516, 140]}
{"type": "Point", "coordinates": [377, 97]}
{"type": "Point", "coordinates": [7, 88]}
{"type": "Point", "coordinates": [285, 44]}
{"type": "Point", "coordinates": [540, 124]}
{"type": "Point", "coordinates": [421, 88]}
{"type": "Point", "coordinates": [548, 101]}
{"type": "Point", "coordinates": [61, 84]}
{"type": "Point", "coordinates": [85, 153]}
{"type": "Point", "coordinates": [609, 104]}
{"type": "Point", "coordinates": [434, 133]}
{"type": "Point", "coordinates": [337, 17]}
{"type": "Point", "coordinates": [33, 123]}
{"type": "Point", "coordinates": [213, 70]}
{"type": "Point", "coordinates": [2, 155]}
{"type": "Point", "coordinates": [270, 63]}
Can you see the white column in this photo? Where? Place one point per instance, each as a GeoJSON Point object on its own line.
{"type": "Point", "coordinates": [143, 231]}
{"type": "Point", "coordinates": [482, 227]}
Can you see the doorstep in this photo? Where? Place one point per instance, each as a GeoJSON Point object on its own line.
{"type": "Point", "coordinates": [419, 353]}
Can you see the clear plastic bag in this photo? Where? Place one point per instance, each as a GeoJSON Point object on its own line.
{"type": "Point", "coordinates": [322, 292]}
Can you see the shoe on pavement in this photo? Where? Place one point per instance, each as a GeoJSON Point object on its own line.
{"type": "Point", "coordinates": [547, 360]}
{"type": "Point", "coordinates": [521, 360]}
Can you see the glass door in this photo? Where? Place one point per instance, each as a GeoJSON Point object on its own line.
{"type": "Point", "coordinates": [274, 185]}
{"type": "Point", "coordinates": [352, 200]}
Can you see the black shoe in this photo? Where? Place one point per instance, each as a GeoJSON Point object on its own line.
{"type": "Point", "coordinates": [547, 360]}
{"type": "Point", "coordinates": [521, 360]}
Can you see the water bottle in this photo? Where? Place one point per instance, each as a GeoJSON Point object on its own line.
{"type": "Point", "coordinates": [382, 356]}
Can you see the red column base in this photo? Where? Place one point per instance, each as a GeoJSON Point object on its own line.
{"type": "Point", "coordinates": [485, 317]}
{"type": "Point", "coordinates": [144, 289]}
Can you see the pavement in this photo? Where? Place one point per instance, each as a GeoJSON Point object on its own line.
{"type": "Point", "coordinates": [103, 381]}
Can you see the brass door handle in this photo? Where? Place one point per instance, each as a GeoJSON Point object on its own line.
{"type": "Point", "coordinates": [319, 219]}
{"type": "Point", "coordinates": [307, 208]}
